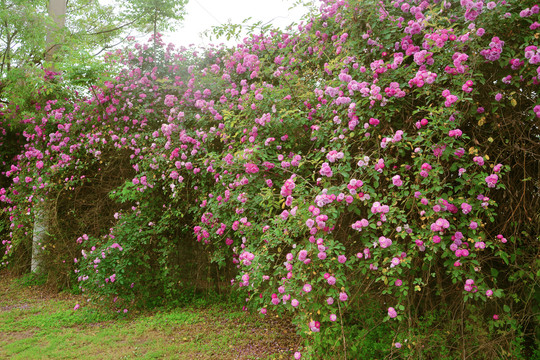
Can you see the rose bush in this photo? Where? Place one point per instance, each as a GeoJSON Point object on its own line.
{"type": "Point", "coordinates": [345, 170]}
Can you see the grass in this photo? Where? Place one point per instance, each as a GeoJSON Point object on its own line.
{"type": "Point", "coordinates": [36, 323]}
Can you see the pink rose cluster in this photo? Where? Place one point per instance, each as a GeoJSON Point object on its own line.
{"type": "Point", "coordinates": [455, 133]}
{"type": "Point", "coordinates": [467, 86]}
{"type": "Point", "coordinates": [458, 60]}
{"type": "Point", "coordinates": [440, 225]}
{"type": "Point", "coordinates": [495, 50]}
{"type": "Point", "coordinates": [378, 208]}
{"type": "Point", "coordinates": [334, 155]}
{"type": "Point", "coordinates": [353, 185]}
{"type": "Point", "coordinates": [532, 53]}
{"type": "Point", "coordinates": [360, 224]}
{"type": "Point", "coordinates": [246, 258]}
{"type": "Point", "coordinates": [398, 136]}
{"type": "Point", "coordinates": [491, 180]}
{"type": "Point", "coordinates": [421, 123]}
{"type": "Point", "coordinates": [326, 170]}
{"type": "Point", "coordinates": [394, 90]}
{"type": "Point", "coordinates": [288, 187]}
{"type": "Point", "coordinates": [422, 77]}
{"type": "Point", "coordinates": [470, 286]}
{"type": "Point", "coordinates": [425, 168]}
{"type": "Point", "coordinates": [449, 98]}
{"type": "Point", "coordinates": [529, 11]}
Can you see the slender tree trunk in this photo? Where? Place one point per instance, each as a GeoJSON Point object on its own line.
{"type": "Point", "coordinates": [155, 30]}
{"type": "Point", "coordinates": [39, 236]}
{"type": "Point", "coordinates": [57, 11]}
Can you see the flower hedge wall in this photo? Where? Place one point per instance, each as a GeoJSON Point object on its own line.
{"type": "Point", "coordinates": [371, 174]}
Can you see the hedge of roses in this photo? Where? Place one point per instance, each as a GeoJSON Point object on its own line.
{"type": "Point", "coordinates": [343, 169]}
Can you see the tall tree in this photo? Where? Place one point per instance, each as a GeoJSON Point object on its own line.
{"type": "Point", "coordinates": [57, 11]}
{"type": "Point", "coordinates": [65, 36]}
{"type": "Point", "coordinates": [155, 15]}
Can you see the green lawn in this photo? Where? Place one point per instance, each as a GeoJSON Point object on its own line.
{"type": "Point", "coordinates": [38, 324]}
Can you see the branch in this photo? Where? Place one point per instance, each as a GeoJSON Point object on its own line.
{"type": "Point", "coordinates": [108, 47]}
{"type": "Point", "coordinates": [111, 30]}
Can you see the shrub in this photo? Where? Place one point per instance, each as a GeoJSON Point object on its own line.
{"type": "Point", "coordinates": [346, 170]}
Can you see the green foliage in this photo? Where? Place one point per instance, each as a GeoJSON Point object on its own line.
{"type": "Point", "coordinates": [155, 15]}
{"type": "Point", "coordinates": [31, 279]}
{"type": "Point", "coordinates": [358, 175]}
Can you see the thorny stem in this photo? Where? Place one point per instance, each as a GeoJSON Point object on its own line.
{"type": "Point", "coordinates": [342, 332]}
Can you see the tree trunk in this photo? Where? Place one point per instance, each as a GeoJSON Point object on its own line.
{"type": "Point", "coordinates": [57, 11]}
{"type": "Point", "coordinates": [155, 30]}
{"type": "Point", "coordinates": [39, 236]}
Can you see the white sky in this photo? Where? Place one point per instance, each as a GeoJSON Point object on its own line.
{"type": "Point", "coordinates": [203, 14]}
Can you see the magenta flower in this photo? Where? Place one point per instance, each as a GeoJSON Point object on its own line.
{"type": "Point", "coordinates": [374, 121]}
{"type": "Point", "coordinates": [251, 168]}
{"type": "Point", "coordinates": [343, 296]}
{"type": "Point", "coordinates": [479, 160]}
{"type": "Point", "coordinates": [440, 225]}
{"type": "Point", "coordinates": [480, 245]}
{"type": "Point", "coordinates": [326, 170]}
{"type": "Point", "coordinates": [384, 242]}
{"type": "Point", "coordinates": [307, 288]}
{"type": "Point", "coordinates": [392, 312]}
{"type": "Point", "coordinates": [491, 180]}
{"type": "Point", "coordinates": [330, 300]}
{"type": "Point", "coordinates": [455, 133]}
{"type": "Point", "coordinates": [466, 208]}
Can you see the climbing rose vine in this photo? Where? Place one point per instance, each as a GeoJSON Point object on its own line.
{"type": "Point", "coordinates": [335, 166]}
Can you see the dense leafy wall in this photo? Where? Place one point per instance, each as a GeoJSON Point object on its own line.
{"type": "Point", "coordinates": [346, 171]}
